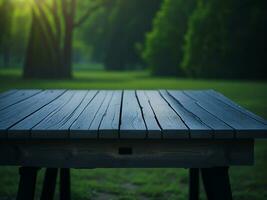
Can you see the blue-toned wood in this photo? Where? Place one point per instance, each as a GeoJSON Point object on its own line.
{"type": "Point", "coordinates": [198, 129]}
{"type": "Point", "coordinates": [220, 129]}
{"type": "Point", "coordinates": [244, 125]}
{"type": "Point", "coordinates": [170, 123]}
{"type": "Point", "coordinates": [53, 125]}
{"type": "Point", "coordinates": [109, 127]}
{"type": "Point", "coordinates": [16, 97]}
{"type": "Point", "coordinates": [154, 130]}
{"type": "Point", "coordinates": [80, 128]}
{"type": "Point", "coordinates": [102, 112]}
{"type": "Point", "coordinates": [16, 113]}
{"type": "Point", "coordinates": [229, 102]}
{"type": "Point", "coordinates": [114, 114]}
{"type": "Point", "coordinates": [132, 122]}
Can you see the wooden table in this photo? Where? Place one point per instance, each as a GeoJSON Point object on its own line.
{"type": "Point", "coordinates": [63, 129]}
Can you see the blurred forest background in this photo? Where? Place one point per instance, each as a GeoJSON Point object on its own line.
{"type": "Point", "coordinates": [139, 44]}
{"type": "Point", "coordinates": [192, 38]}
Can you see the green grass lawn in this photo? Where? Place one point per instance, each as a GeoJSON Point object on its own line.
{"type": "Point", "coordinates": [248, 183]}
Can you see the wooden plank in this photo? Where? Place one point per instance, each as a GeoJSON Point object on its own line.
{"type": "Point", "coordinates": [7, 93]}
{"type": "Point", "coordinates": [132, 122]}
{"type": "Point", "coordinates": [109, 127]}
{"type": "Point", "coordinates": [80, 128]}
{"type": "Point", "coordinates": [16, 97]}
{"type": "Point", "coordinates": [101, 113]}
{"type": "Point", "coordinates": [170, 123]}
{"type": "Point", "coordinates": [92, 130]}
{"type": "Point", "coordinates": [57, 123]}
{"type": "Point", "coordinates": [84, 103]}
{"type": "Point", "coordinates": [220, 129]}
{"type": "Point", "coordinates": [153, 128]}
{"type": "Point", "coordinates": [244, 126]}
{"type": "Point", "coordinates": [197, 128]}
{"type": "Point", "coordinates": [14, 114]}
{"type": "Point", "coordinates": [88, 153]}
{"type": "Point", "coordinates": [23, 128]}
{"type": "Point", "coordinates": [229, 102]}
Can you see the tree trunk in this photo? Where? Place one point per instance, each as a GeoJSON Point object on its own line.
{"type": "Point", "coordinates": [67, 51]}
{"type": "Point", "coordinates": [6, 55]}
{"type": "Point", "coordinates": [46, 56]}
{"type": "Point", "coordinates": [43, 58]}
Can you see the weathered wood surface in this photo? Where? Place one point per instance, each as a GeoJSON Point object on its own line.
{"type": "Point", "coordinates": [132, 123]}
{"type": "Point", "coordinates": [234, 105]}
{"type": "Point", "coordinates": [23, 109]}
{"type": "Point", "coordinates": [13, 97]}
{"type": "Point", "coordinates": [109, 126]}
{"type": "Point", "coordinates": [220, 128]}
{"type": "Point", "coordinates": [197, 128]}
{"type": "Point", "coordinates": [171, 124]}
{"type": "Point", "coordinates": [129, 114]}
{"type": "Point", "coordinates": [240, 121]}
{"type": "Point", "coordinates": [87, 153]}
{"type": "Point", "coordinates": [153, 127]}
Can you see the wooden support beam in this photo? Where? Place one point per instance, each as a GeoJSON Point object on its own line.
{"type": "Point", "coordinates": [27, 183]}
{"type": "Point", "coordinates": [65, 191]}
{"type": "Point", "coordinates": [86, 153]}
{"type": "Point", "coordinates": [49, 184]}
{"type": "Point", "coordinates": [193, 184]}
{"type": "Point", "coordinates": [216, 183]}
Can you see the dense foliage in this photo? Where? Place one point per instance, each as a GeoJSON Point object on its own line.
{"type": "Point", "coordinates": [193, 38]}
{"type": "Point", "coordinates": [6, 11]}
{"type": "Point", "coordinates": [115, 32]}
{"type": "Point", "coordinates": [163, 50]}
{"type": "Point", "coordinates": [227, 39]}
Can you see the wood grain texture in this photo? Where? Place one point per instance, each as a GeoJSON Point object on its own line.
{"type": "Point", "coordinates": [80, 128]}
{"type": "Point", "coordinates": [14, 114]}
{"type": "Point", "coordinates": [52, 125]}
{"type": "Point", "coordinates": [15, 97]}
{"type": "Point", "coordinates": [109, 127]}
{"type": "Point", "coordinates": [229, 102]}
{"type": "Point", "coordinates": [244, 125]}
{"type": "Point", "coordinates": [220, 129]}
{"type": "Point", "coordinates": [102, 112]}
{"type": "Point", "coordinates": [64, 118]}
{"type": "Point", "coordinates": [132, 122]}
{"type": "Point", "coordinates": [117, 114]}
{"type": "Point", "coordinates": [198, 129]}
{"type": "Point", "coordinates": [171, 124]}
{"type": "Point", "coordinates": [153, 128]}
{"type": "Point", "coordinates": [7, 93]}
{"type": "Point", "coordinates": [145, 153]}
{"type": "Point", "coordinates": [23, 128]}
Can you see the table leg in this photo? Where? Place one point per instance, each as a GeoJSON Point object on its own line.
{"type": "Point", "coordinates": [65, 192]}
{"type": "Point", "coordinates": [49, 184]}
{"type": "Point", "coordinates": [27, 183]}
{"type": "Point", "coordinates": [193, 184]}
{"type": "Point", "coordinates": [216, 183]}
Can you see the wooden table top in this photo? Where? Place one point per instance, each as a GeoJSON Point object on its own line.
{"type": "Point", "coordinates": [129, 114]}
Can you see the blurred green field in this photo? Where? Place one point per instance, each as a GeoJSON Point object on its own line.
{"type": "Point", "coordinates": [248, 183]}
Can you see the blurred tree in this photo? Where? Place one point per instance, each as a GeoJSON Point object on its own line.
{"type": "Point", "coordinates": [21, 22]}
{"type": "Point", "coordinates": [98, 27]}
{"type": "Point", "coordinates": [115, 32]}
{"type": "Point", "coordinates": [227, 39]}
{"type": "Point", "coordinates": [130, 20]}
{"type": "Point", "coordinates": [6, 13]}
{"type": "Point", "coordinates": [163, 50]}
{"type": "Point", "coordinates": [49, 51]}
